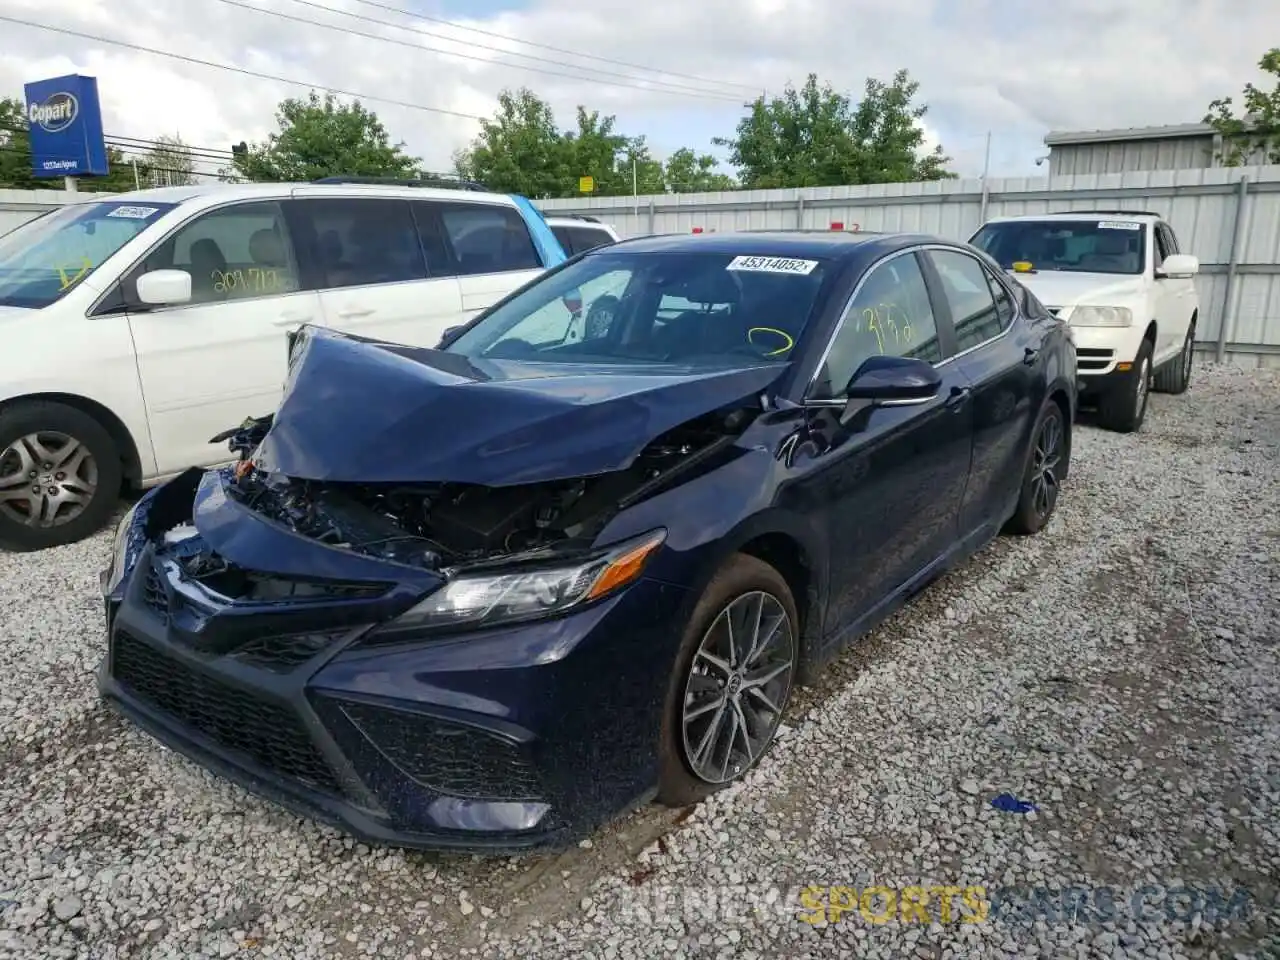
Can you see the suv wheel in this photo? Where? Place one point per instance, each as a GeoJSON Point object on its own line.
{"type": "Point", "coordinates": [731, 683]}
{"type": "Point", "coordinates": [1124, 409]}
{"type": "Point", "coordinates": [60, 475]}
{"type": "Point", "coordinates": [1175, 377]}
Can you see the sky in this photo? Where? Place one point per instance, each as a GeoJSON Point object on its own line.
{"type": "Point", "coordinates": [1015, 72]}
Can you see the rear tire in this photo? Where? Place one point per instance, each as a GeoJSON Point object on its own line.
{"type": "Point", "coordinates": [1174, 377]}
{"type": "Point", "coordinates": [728, 697]}
{"type": "Point", "coordinates": [1125, 409]}
{"type": "Point", "coordinates": [60, 475]}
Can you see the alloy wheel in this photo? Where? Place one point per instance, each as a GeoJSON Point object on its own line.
{"type": "Point", "coordinates": [739, 683]}
{"type": "Point", "coordinates": [47, 479]}
{"type": "Point", "coordinates": [1045, 483]}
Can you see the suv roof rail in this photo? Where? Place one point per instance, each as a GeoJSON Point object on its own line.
{"type": "Point", "coordinates": [583, 216]}
{"type": "Point", "coordinates": [431, 180]}
{"type": "Point", "coordinates": [1122, 213]}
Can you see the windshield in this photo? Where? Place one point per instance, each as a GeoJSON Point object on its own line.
{"type": "Point", "coordinates": [44, 258]}
{"type": "Point", "coordinates": [1079, 246]}
{"type": "Point", "coordinates": [699, 309]}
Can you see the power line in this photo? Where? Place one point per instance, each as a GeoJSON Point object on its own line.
{"type": "Point", "coordinates": [545, 46]}
{"type": "Point", "coordinates": [240, 70]}
{"type": "Point", "coordinates": [683, 90]}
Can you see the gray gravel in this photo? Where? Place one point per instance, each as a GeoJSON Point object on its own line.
{"type": "Point", "coordinates": [1120, 671]}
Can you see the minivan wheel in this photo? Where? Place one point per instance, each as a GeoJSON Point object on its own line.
{"type": "Point", "coordinates": [60, 475]}
{"type": "Point", "coordinates": [732, 681]}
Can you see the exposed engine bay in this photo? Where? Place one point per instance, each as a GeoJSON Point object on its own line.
{"type": "Point", "coordinates": [437, 525]}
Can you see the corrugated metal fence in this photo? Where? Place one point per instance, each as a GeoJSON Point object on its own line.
{"type": "Point", "coordinates": [1229, 218]}
{"type": "Point", "coordinates": [1234, 230]}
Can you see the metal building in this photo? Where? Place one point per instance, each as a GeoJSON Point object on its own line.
{"type": "Point", "coordinates": [1183, 146]}
{"type": "Point", "coordinates": [1186, 146]}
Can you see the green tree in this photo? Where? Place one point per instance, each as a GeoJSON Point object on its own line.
{"type": "Point", "coordinates": [1254, 135]}
{"type": "Point", "coordinates": [323, 137]}
{"type": "Point", "coordinates": [15, 158]}
{"type": "Point", "coordinates": [690, 172]}
{"type": "Point", "coordinates": [15, 148]}
{"type": "Point", "coordinates": [815, 137]}
{"type": "Point", "coordinates": [521, 150]}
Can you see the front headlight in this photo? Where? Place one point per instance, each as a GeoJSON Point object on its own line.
{"type": "Point", "coordinates": [484, 599]}
{"type": "Point", "coordinates": [1101, 317]}
{"type": "Point", "coordinates": [122, 554]}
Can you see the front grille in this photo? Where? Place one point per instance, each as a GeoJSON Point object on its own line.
{"type": "Point", "coordinates": [268, 734]}
{"type": "Point", "coordinates": [452, 759]}
{"type": "Point", "coordinates": [281, 654]}
{"type": "Point", "coordinates": [153, 594]}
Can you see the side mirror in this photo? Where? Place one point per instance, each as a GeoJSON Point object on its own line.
{"type": "Point", "coordinates": [449, 334]}
{"type": "Point", "coordinates": [894, 380]}
{"type": "Point", "coordinates": [164, 287]}
{"type": "Point", "coordinates": [1179, 265]}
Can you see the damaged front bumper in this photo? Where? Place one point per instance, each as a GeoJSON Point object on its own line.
{"type": "Point", "coordinates": [272, 672]}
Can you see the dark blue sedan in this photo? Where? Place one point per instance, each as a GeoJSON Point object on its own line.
{"type": "Point", "coordinates": [489, 595]}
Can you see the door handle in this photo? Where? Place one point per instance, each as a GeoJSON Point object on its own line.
{"type": "Point", "coordinates": [1029, 355]}
{"type": "Point", "coordinates": [352, 314]}
{"type": "Point", "coordinates": [959, 397]}
{"type": "Point", "coordinates": [291, 320]}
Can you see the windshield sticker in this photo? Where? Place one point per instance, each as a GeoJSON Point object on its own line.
{"type": "Point", "coordinates": [1118, 225]}
{"type": "Point", "coordinates": [772, 265]}
{"type": "Point", "coordinates": [134, 213]}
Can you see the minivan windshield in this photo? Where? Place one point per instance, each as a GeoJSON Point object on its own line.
{"type": "Point", "coordinates": [43, 259]}
{"type": "Point", "coordinates": [692, 309]}
{"type": "Point", "coordinates": [1078, 246]}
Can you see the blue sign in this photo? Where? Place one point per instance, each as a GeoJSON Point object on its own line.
{"type": "Point", "coordinates": [64, 122]}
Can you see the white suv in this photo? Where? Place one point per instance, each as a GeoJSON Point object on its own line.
{"type": "Point", "coordinates": [1128, 292]}
{"type": "Point", "coordinates": [137, 326]}
{"type": "Point", "coordinates": [578, 233]}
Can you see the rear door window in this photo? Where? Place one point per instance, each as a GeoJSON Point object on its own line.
{"type": "Point", "coordinates": [488, 238]}
{"type": "Point", "coordinates": [975, 313]}
{"type": "Point", "coordinates": [362, 241]}
{"type": "Point", "coordinates": [585, 238]}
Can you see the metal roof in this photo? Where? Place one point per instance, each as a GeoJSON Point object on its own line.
{"type": "Point", "coordinates": [1060, 138]}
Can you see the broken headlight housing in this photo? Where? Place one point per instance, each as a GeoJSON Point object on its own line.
{"type": "Point", "coordinates": [506, 596]}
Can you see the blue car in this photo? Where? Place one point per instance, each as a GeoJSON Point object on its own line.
{"type": "Point", "coordinates": [489, 595]}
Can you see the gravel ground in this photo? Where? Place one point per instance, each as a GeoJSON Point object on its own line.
{"type": "Point", "coordinates": [1119, 671]}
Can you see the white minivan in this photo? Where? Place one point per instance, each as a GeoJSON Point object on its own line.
{"type": "Point", "coordinates": [137, 326]}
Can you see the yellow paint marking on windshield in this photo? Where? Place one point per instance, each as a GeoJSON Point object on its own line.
{"type": "Point", "coordinates": [790, 341]}
{"type": "Point", "coordinates": [69, 281]}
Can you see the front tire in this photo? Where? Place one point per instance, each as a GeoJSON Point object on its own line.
{"type": "Point", "coordinates": [60, 475]}
{"type": "Point", "coordinates": [731, 683]}
{"type": "Point", "coordinates": [1175, 377]}
{"type": "Point", "coordinates": [1047, 464]}
{"type": "Point", "coordinates": [1125, 409]}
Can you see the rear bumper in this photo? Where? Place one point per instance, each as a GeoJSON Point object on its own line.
{"type": "Point", "coordinates": [494, 741]}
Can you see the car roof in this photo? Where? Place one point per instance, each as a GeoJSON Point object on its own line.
{"type": "Point", "coordinates": [575, 222]}
{"type": "Point", "coordinates": [801, 244]}
{"type": "Point", "coordinates": [248, 191]}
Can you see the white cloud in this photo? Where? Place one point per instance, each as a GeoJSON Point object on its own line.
{"type": "Point", "coordinates": [983, 65]}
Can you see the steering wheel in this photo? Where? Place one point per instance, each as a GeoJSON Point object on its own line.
{"type": "Point", "coordinates": [511, 349]}
{"type": "Point", "coordinates": [600, 317]}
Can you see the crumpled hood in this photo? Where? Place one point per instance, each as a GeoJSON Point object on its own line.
{"type": "Point", "coordinates": [357, 410]}
{"type": "Point", "coordinates": [1063, 288]}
